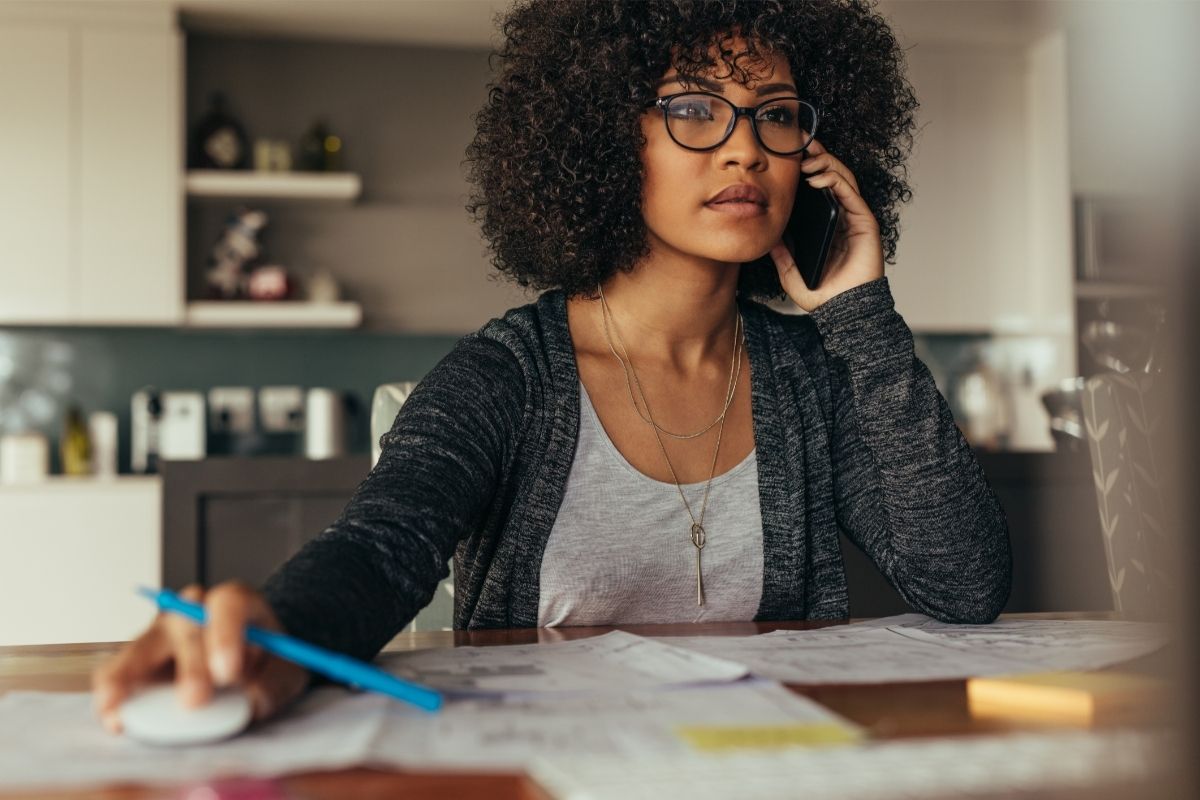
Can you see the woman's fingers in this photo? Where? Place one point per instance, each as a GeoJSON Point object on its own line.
{"type": "Point", "coordinates": [273, 684]}
{"type": "Point", "coordinates": [115, 678]}
{"type": "Point", "coordinates": [824, 164]}
{"type": "Point", "coordinates": [192, 679]}
{"type": "Point", "coordinates": [846, 192]}
{"type": "Point", "coordinates": [201, 654]}
{"type": "Point", "coordinates": [269, 681]}
{"type": "Point", "coordinates": [230, 606]}
{"type": "Point", "coordinates": [790, 278]}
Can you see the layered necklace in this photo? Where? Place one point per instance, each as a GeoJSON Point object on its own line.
{"type": "Point", "coordinates": [698, 534]}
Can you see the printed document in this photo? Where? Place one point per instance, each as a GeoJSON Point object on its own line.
{"type": "Point", "coordinates": [1014, 764]}
{"type": "Point", "coordinates": [914, 647]}
{"type": "Point", "coordinates": [52, 739]}
{"type": "Point", "coordinates": [614, 661]}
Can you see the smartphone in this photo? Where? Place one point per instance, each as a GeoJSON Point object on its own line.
{"type": "Point", "coordinates": [809, 232]}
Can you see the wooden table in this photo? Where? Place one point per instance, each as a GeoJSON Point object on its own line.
{"type": "Point", "coordinates": [888, 711]}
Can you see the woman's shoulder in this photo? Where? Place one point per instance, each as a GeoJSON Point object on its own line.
{"type": "Point", "coordinates": [501, 355]}
{"type": "Point", "coordinates": [533, 332]}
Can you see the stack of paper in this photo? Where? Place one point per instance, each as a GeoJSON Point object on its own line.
{"type": "Point", "coordinates": [616, 694]}
{"type": "Point", "coordinates": [616, 661]}
{"type": "Point", "coordinates": [995, 766]}
{"type": "Point", "coordinates": [913, 647]}
{"type": "Point", "coordinates": [673, 699]}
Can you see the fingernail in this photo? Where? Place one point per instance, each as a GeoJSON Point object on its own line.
{"type": "Point", "coordinates": [112, 722]}
{"type": "Point", "coordinates": [258, 702]}
{"type": "Point", "coordinates": [100, 698]}
{"type": "Point", "coordinates": [221, 667]}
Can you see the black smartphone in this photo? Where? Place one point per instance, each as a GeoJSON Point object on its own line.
{"type": "Point", "coordinates": [809, 232]}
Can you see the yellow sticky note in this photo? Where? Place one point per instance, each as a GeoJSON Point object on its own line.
{"type": "Point", "coordinates": [715, 738]}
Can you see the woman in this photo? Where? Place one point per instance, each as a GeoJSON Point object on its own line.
{"type": "Point", "coordinates": [646, 441]}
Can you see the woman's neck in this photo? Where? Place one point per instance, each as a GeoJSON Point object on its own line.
{"type": "Point", "coordinates": [676, 317]}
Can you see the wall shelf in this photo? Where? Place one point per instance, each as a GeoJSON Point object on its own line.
{"type": "Point", "coordinates": [1104, 290]}
{"type": "Point", "coordinates": [289, 186]}
{"type": "Point", "coordinates": [271, 314]}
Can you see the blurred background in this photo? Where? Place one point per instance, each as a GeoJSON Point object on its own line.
{"type": "Point", "coordinates": [226, 223]}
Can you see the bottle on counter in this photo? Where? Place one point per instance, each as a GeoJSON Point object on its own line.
{"type": "Point", "coordinates": [75, 447]}
{"type": "Point", "coordinates": [102, 428]}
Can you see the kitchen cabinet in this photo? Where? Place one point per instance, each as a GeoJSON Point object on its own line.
{"type": "Point", "coordinates": [130, 258]}
{"type": "Point", "coordinates": [986, 244]}
{"type": "Point", "coordinates": [91, 207]}
{"type": "Point", "coordinates": [238, 518]}
{"type": "Point", "coordinates": [71, 552]}
{"type": "Point", "coordinates": [35, 191]}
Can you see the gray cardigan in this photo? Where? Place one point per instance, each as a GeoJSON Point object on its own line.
{"type": "Point", "coordinates": [851, 435]}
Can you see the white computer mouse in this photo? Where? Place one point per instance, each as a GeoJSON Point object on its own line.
{"type": "Point", "coordinates": [156, 716]}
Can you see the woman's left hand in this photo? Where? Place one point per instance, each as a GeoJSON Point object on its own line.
{"type": "Point", "coordinates": [856, 253]}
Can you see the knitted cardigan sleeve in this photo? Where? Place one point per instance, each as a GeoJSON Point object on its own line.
{"type": "Point", "coordinates": [361, 580]}
{"type": "Point", "coordinates": [908, 489]}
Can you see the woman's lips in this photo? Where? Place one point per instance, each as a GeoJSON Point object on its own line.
{"type": "Point", "coordinates": [738, 208]}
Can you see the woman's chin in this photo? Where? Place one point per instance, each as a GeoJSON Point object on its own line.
{"type": "Point", "coordinates": [739, 255]}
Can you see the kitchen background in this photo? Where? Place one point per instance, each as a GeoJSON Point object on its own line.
{"type": "Point", "coordinates": [1008, 269]}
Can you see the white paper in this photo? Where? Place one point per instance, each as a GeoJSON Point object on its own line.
{"type": "Point", "coordinates": [509, 732]}
{"type": "Point", "coordinates": [915, 647]}
{"type": "Point", "coordinates": [615, 661]}
{"type": "Point", "coordinates": [599, 692]}
{"type": "Point", "coordinates": [836, 655]}
{"type": "Point", "coordinates": [960, 766]}
{"type": "Point", "coordinates": [51, 739]}
{"type": "Point", "coordinates": [884, 622]}
{"type": "Point", "coordinates": [1049, 644]}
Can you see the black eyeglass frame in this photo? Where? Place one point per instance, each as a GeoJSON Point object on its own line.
{"type": "Point", "coordinates": [738, 111]}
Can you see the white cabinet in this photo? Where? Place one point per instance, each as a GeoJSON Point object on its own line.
{"type": "Point", "coordinates": [36, 211]}
{"type": "Point", "coordinates": [72, 552]}
{"type": "Point", "coordinates": [130, 257]}
{"type": "Point", "coordinates": [91, 207]}
{"type": "Point", "coordinates": [986, 242]}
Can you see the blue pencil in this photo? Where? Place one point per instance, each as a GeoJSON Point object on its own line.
{"type": "Point", "coordinates": [338, 666]}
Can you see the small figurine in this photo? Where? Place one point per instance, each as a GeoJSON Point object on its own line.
{"type": "Point", "coordinates": [235, 253]}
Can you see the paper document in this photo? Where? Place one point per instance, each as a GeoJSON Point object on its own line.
{"type": "Point", "coordinates": [508, 732]}
{"type": "Point", "coordinates": [882, 622]}
{"type": "Point", "coordinates": [615, 661]}
{"type": "Point", "coordinates": [1014, 764]}
{"type": "Point", "coordinates": [914, 647]}
{"type": "Point", "coordinates": [52, 739]}
{"type": "Point", "coordinates": [833, 655]}
{"type": "Point", "coordinates": [1048, 643]}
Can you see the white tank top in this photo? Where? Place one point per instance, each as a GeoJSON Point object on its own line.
{"type": "Point", "coordinates": [620, 550]}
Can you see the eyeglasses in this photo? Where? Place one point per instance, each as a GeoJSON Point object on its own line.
{"type": "Point", "coordinates": [703, 121]}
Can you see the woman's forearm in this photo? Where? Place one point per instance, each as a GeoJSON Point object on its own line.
{"type": "Point", "coordinates": [908, 488]}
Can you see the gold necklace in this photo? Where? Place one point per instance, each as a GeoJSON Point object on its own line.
{"type": "Point", "coordinates": [698, 535]}
{"type": "Point", "coordinates": [735, 373]}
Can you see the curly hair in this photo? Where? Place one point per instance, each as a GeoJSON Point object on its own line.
{"type": "Point", "coordinates": [555, 164]}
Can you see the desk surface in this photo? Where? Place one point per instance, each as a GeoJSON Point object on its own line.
{"type": "Point", "coordinates": [934, 708]}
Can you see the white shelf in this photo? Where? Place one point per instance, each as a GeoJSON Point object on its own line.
{"type": "Point", "coordinates": [291, 186]}
{"type": "Point", "coordinates": [1103, 290]}
{"type": "Point", "coordinates": [271, 314]}
{"type": "Point", "coordinates": [82, 483]}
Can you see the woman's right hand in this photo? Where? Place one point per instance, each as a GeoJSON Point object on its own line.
{"type": "Point", "coordinates": [199, 657]}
